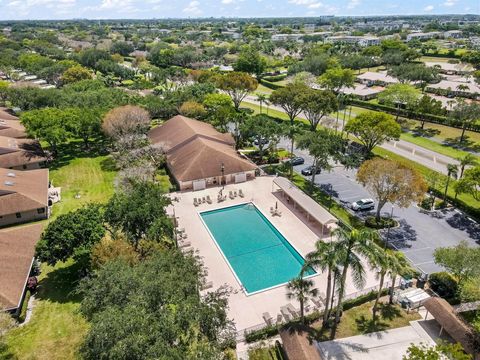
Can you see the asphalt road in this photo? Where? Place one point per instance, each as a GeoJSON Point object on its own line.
{"type": "Point", "coordinates": [418, 233]}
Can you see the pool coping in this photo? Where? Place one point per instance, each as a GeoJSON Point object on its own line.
{"type": "Point", "coordinates": [242, 287]}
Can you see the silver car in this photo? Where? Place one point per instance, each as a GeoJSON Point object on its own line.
{"type": "Point", "coordinates": [363, 204]}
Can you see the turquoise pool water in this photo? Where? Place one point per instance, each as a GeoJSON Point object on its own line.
{"type": "Point", "coordinates": [257, 252]}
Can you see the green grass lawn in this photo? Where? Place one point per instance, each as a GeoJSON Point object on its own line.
{"type": "Point", "coordinates": [358, 320]}
{"type": "Point", "coordinates": [56, 329]}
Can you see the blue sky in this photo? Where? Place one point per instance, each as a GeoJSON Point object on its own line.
{"type": "Point", "coordinates": [101, 9]}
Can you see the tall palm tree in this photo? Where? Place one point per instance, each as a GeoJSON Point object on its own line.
{"type": "Point", "coordinates": [386, 261]}
{"type": "Point", "coordinates": [262, 99]}
{"type": "Point", "coordinates": [397, 267]}
{"type": "Point", "coordinates": [467, 160]}
{"type": "Point", "coordinates": [452, 171]}
{"type": "Point", "coordinates": [354, 247]}
{"type": "Point", "coordinates": [292, 130]}
{"type": "Point", "coordinates": [301, 290]}
{"type": "Point", "coordinates": [325, 258]}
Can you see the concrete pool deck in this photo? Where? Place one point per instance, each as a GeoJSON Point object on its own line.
{"type": "Point", "coordinates": [246, 311]}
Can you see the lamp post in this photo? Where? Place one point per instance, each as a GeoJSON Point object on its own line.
{"type": "Point", "coordinates": [388, 230]}
{"type": "Point", "coordinates": [222, 169]}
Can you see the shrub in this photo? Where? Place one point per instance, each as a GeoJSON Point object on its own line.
{"type": "Point", "coordinates": [444, 285]}
{"type": "Point", "coordinates": [383, 223]}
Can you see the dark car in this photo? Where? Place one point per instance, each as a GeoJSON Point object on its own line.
{"type": "Point", "coordinates": [297, 160]}
{"type": "Point", "coordinates": [309, 171]}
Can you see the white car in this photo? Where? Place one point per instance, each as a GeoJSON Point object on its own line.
{"type": "Point", "coordinates": [363, 204]}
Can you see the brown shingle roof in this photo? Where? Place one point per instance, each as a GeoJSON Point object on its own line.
{"type": "Point", "coordinates": [12, 128]}
{"type": "Point", "coordinates": [195, 150]}
{"type": "Point", "coordinates": [17, 247]}
{"type": "Point", "coordinates": [7, 114]}
{"type": "Point", "coordinates": [445, 315]}
{"type": "Point", "coordinates": [18, 152]}
{"type": "Point", "coordinates": [23, 190]}
{"type": "Point", "coordinates": [180, 129]}
{"type": "Point", "coordinates": [298, 344]}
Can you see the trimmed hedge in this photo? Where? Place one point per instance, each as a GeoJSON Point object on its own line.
{"type": "Point", "coordinates": [270, 85]}
{"type": "Point", "coordinates": [275, 78]}
{"type": "Point", "coordinates": [444, 285]}
{"type": "Point", "coordinates": [442, 120]}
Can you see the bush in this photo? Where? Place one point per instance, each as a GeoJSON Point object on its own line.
{"type": "Point", "coordinates": [444, 285]}
{"type": "Point", "coordinates": [270, 85]}
{"type": "Point", "coordinates": [383, 223]}
{"type": "Point", "coordinates": [275, 78]}
{"type": "Point", "coordinates": [426, 203]}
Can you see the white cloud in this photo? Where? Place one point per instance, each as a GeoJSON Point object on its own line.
{"type": "Point", "coordinates": [227, 1]}
{"type": "Point", "coordinates": [311, 4]}
{"type": "Point", "coordinates": [428, 8]}
{"type": "Point", "coordinates": [450, 2]}
{"type": "Point", "coordinates": [315, 5]}
{"type": "Point", "coordinates": [193, 8]}
{"type": "Point", "coordinates": [353, 4]}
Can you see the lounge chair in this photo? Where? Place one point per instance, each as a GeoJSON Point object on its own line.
{"type": "Point", "coordinates": [292, 310]}
{"type": "Point", "coordinates": [208, 199]}
{"type": "Point", "coordinates": [240, 193]}
{"type": "Point", "coordinates": [279, 318]}
{"type": "Point", "coordinates": [267, 318]}
{"type": "Point", "coordinates": [184, 235]}
{"type": "Point", "coordinates": [195, 202]}
{"type": "Point", "coordinates": [235, 193]}
{"type": "Point", "coordinates": [181, 230]}
{"type": "Point", "coordinates": [230, 195]}
{"type": "Point", "coordinates": [184, 244]}
{"type": "Point", "coordinates": [203, 200]}
{"type": "Point", "coordinates": [286, 314]}
{"type": "Point", "coordinates": [272, 210]}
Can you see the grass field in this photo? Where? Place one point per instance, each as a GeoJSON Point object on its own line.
{"type": "Point", "coordinates": [358, 320]}
{"type": "Point", "coordinates": [56, 329]}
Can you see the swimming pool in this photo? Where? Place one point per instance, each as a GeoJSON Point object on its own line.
{"type": "Point", "coordinates": [258, 254]}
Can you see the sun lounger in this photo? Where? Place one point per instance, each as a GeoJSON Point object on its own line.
{"type": "Point", "coordinates": [272, 210]}
{"type": "Point", "coordinates": [208, 199]}
{"type": "Point", "coordinates": [230, 195]}
{"type": "Point", "coordinates": [318, 303]}
{"type": "Point", "coordinates": [181, 230]}
{"type": "Point", "coordinates": [184, 235]}
{"type": "Point", "coordinates": [195, 202]}
{"type": "Point", "coordinates": [279, 318]}
{"type": "Point", "coordinates": [235, 194]}
{"type": "Point", "coordinates": [240, 193]}
{"type": "Point", "coordinates": [267, 318]}
{"type": "Point", "coordinates": [292, 310]}
{"type": "Point", "coordinates": [203, 200]}
{"type": "Point", "coordinates": [184, 244]}
{"type": "Point", "coordinates": [286, 314]}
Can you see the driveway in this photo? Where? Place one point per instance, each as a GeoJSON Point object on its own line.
{"type": "Point", "coordinates": [418, 233]}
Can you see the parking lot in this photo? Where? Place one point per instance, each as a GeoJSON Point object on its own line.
{"type": "Point", "coordinates": [418, 233]}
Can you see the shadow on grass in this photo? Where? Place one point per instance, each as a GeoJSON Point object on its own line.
{"type": "Point", "coordinates": [59, 285]}
{"type": "Point", "coordinates": [76, 149]}
{"type": "Point", "coordinates": [466, 144]}
{"type": "Point", "coordinates": [427, 133]}
{"type": "Point", "coordinates": [389, 312]}
{"type": "Point", "coordinates": [5, 353]}
{"type": "Point", "coordinates": [367, 325]}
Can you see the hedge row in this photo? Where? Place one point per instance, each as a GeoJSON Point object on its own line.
{"type": "Point", "coordinates": [275, 78]}
{"type": "Point", "coordinates": [443, 120]}
{"type": "Point", "coordinates": [270, 85]}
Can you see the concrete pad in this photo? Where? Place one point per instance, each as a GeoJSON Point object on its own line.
{"type": "Point", "coordinates": [383, 345]}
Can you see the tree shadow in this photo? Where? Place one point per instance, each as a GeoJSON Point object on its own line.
{"type": "Point", "coordinates": [369, 325]}
{"type": "Point", "coordinates": [60, 284]}
{"type": "Point", "coordinates": [464, 223]}
{"type": "Point", "coordinates": [427, 133]}
{"type": "Point", "coordinates": [76, 149]}
{"type": "Point", "coordinates": [389, 312]}
{"type": "Point", "coordinates": [465, 145]}
{"type": "Point", "coordinates": [401, 236]}
{"type": "Point", "coordinates": [108, 164]}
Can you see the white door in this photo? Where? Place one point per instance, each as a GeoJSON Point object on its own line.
{"type": "Point", "coordinates": [240, 178]}
{"type": "Point", "coordinates": [199, 185]}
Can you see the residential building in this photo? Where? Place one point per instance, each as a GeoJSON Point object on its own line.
{"type": "Point", "coordinates": [10, 125]}
{"type": "Point", "coordinates": [357, 40]}
{"type": "Point", "coordinates": [424, 36]}
{"type": "Point", "coordinates": [21, 154]}
{"type": "Point", "coordinates": [23, 196]}
{"type": "Point", "coordinates": [456, 88]}
{"type": "Point", "coordinates": [287, 37]}
{"type": "Point", "coordinates": [454, 34]}
{"type": "Point", "coordinates": [198, 155]}
{"type": "Point", "coordinates": [17, 249]}
{"type": "Point", "coordinates": [309, 28]}
{"type": "Point", "coordinates": [381, 78]}
{"type": "Point", "coordinates": [450, 69]}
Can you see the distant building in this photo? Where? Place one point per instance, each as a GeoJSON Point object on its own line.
{"type": "Point", "coordinates": [232, 34]}
{"type": "Point", "coordinates": [287, 37]}
{"type": "Point", "coordinates": [309, 28]}
{"type": "Point", "coordinates": [424, 36]}
{"type": "Point", "coordinates": [371, 78]}
{"type": "Point", "coordinates": [198, 155]}
{"type": "Point", "coordinates": [358, 40]}
{"type": "Point", "coordinates": [455, 34]}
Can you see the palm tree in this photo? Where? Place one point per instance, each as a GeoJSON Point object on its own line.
{"type": "Point", "coordinates": [292, 130]}
{"type": "Point", "coordinates": [387, 262]}
{"type": "Point", "coordinates": [397, 267]}
{"type": "Point", "coordinates": [467, 160]}
{"type": "Point", "coordinates": [452, 171]}
{"type": "Point", "coordinates": [325, 258]}
{"type": "Point", "coordinates": [262, 99]}
{"type": "Point", "coordinates": [301, 290]}
{"type": "Point", "coordinates": [353, 246]}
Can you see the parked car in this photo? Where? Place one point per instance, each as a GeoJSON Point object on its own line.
{"type": "Point", "coordinates": [297, 160]}
{"type": "Point", "coordinates": [363, 204]}
{"type": "Point", "coordinates": [309, 171]}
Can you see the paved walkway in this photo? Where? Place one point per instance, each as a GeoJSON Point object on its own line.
{"type": "Point", "coordinates": [419, 154]}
